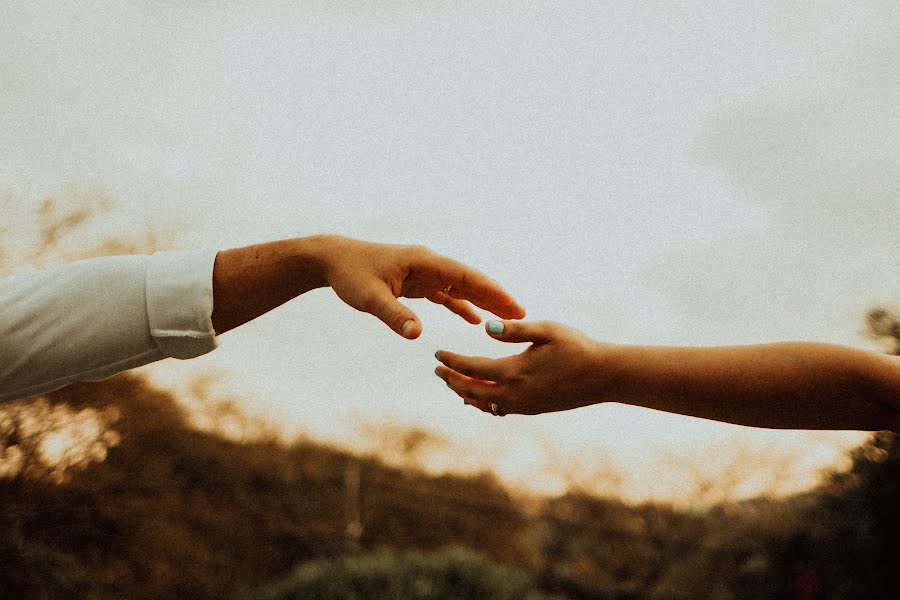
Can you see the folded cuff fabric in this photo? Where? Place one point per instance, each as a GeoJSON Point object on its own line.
{"type": "Point", "coordinates": [180, 303]}
{"type": "Point", "coordinates": [91, 319]}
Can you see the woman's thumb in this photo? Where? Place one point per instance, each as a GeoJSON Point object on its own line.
{"type": "Point", "coordinates": [519, 331]}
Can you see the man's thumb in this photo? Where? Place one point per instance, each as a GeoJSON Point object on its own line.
{"type": "Point", "coordinates": [395, 315]}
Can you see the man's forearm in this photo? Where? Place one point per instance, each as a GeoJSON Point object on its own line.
{"type": "Point", "coordinates": [784, 385]}
{"type": "Point", "coordinates": [250, 281]}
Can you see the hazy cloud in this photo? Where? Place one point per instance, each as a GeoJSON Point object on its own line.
{"type": "Point", "coordinates": [819, 151]}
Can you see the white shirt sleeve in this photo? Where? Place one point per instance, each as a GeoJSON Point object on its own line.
{"type": "Point", "coordinates": [91, 319]}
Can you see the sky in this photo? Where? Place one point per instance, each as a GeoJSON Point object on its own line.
{"type": "Point", "coordinates": [647, 172]}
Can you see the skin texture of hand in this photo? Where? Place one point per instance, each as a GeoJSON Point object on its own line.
{"type": "Point", "coordinates": [561, 369]}
{"type": "Point", "coordinates": [370, 277]}
{"type": "Point", "coordinates": [250, 281]}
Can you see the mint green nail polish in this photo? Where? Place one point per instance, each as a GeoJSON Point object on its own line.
{"type": "Point", "coordinates": [495, 327]}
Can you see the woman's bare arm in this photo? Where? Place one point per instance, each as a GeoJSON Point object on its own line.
{"type": "Point", "coordinates": [791, 385]}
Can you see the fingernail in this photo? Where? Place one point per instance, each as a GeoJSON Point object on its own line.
{"type": "Point", "coordinates": [437, 355]}
{"type": "Point", "coordinates": [495, 327]}
{"type": "Point", "coordinates": [407, 328]}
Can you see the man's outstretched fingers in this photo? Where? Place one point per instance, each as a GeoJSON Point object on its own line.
{"type": "Point", "coordinates": [469, 284]}
{"type": "Point", "coordinates": [538, 332]}
{"type": "Point", "coordinates": [463, 308]}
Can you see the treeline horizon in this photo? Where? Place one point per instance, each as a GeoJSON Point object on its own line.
{"type": "Point", "coordinates": [160, 508]}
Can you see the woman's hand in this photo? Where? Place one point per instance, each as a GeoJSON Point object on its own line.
{"type": "Point", "coordinates": [786, 385]}
{"type": "Point", "coordinates": [561, 370]}
{"type": "Point", "coordinates": [370, 277]}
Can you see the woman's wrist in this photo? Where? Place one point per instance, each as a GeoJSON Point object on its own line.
{"type": "Point", "coordinates": [608, 372]}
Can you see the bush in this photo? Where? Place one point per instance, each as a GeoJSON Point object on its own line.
{"type": "Point", "coordinates": [454, 574]}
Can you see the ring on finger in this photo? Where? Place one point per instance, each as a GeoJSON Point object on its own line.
{"type": "Point", "coordinates": [496, 411]}
{"type": "Point", "coordinates": [446, 289]}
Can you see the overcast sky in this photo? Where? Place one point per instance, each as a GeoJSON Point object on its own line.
{"type": "Point", "coordinates": [649, 172]}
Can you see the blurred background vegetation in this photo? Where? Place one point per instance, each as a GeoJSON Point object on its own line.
{"type": "Point", "coordinates": [118, 489]}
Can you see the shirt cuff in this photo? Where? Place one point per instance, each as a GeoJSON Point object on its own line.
{"type": "Point", "coordinates": [180, 302]}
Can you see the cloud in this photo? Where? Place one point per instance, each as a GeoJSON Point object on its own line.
{"type": "Point", "coordinates": [820, 148]}
{"type": "Point", "coordinates": [780, 285]}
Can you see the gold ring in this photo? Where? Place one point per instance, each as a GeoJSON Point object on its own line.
{"type": "Point", "coordinates": [495, 410]}
{"type": "Point", "coordinates": [446, 289]}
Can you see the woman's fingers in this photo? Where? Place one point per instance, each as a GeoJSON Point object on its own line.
{"type": "Point", "coordinates": [488, 383]}
{"type": "Point", "coordinates": [538, 332]}
{"type": "Point", "coordinates": [477, 367]}
{"type": "Point", "coordinates": [474, 391]}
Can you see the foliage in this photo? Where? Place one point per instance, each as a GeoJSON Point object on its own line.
{"type": "Point", "coordinates": [173, 510]}
{"type": "Point", "coordinates": [66, 227]}
{"type": "Point", "coordinates": [883, 327]}
{"type": "Point", "coordinates": [176, 511]}
{"type": "Point", "coordinates": [454, 574]}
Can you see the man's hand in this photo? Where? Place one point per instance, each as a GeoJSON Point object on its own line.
{"type": "Point", "coordinates": [370, 277]}
{"type": "Point", "coordinates": [250, 281]}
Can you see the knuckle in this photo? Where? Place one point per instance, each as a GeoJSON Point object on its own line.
{"type": "Point", "coordinates": [418, 252]}
{"type": "Point", "coordinates": [546, 325]}
{"type": "Point", "coordinates": [455, 362]}
{"type": "Point", "coordinates": [516, 378]}
{"type": "Point", "coordinates": [465, 278]}
{"type": "Point", "coordinates": [518, 371]}
{"type": "Point", "coordinates": [464, 369]}
{"type": "Point", "coordinates": [462, 365]}
{"type": "Point", "coordinates": [468, 364]}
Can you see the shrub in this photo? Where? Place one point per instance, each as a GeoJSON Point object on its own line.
{"type": "Point", "coordinates": [453, 574]}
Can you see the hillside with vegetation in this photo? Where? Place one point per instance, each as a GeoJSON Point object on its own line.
{"type": "Point", "coordinates": [148, 505]}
